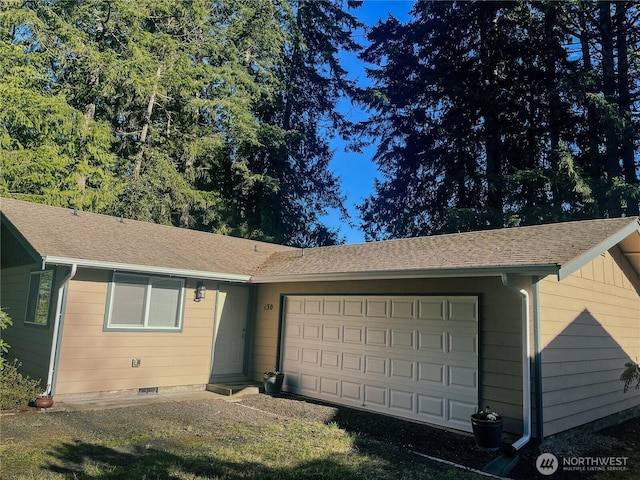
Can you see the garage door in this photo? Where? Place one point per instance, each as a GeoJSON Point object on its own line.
{"type": "Point", "coordinates": [412, 357]}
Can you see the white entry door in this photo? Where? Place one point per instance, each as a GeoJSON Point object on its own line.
{"type": "Point", "coordinates": [408, 356]}
{"type": "Point", "coordinates": [230, 331]}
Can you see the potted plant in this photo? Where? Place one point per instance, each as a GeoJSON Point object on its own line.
{"type": "Point", "coordinates": [43, 401]}
{"type": "Point", "coordinates": [273, 382]}
{"type": "Point", "coordinates": [487, 429]}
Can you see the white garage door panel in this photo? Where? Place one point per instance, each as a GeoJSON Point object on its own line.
{"type": "Point", "coordinates": [413, 357]}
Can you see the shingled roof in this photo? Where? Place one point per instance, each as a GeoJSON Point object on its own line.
{"type": "Point", "coordinates": [542, 249]}
{"type": "Point", "coordinates": [59, 235]}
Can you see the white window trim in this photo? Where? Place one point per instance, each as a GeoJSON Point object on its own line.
{"type": "Point", "coordinates": [31, 321]}
{"type": "Point", "coordinates": [145, 327]}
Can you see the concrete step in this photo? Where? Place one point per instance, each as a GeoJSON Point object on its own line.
{"type": "Point", "coordinates": [235, 388]}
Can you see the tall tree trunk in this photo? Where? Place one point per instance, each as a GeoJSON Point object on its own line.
{"type": "Point", "coordinates": [612, 168]}
{"type": "Point", "coordinates": [296, 64]}
{"type": "Point", "coordinates": [489, 112]}
{"type": "Point", "coordinates": [137, 163]}
{"type": "Point", "coordinates": [550, 24]}
{"type": "Point", "coordinates": [145, 128]}
{"type": "Point", "coordinates": [594, 158]}
{"type": "Point", "coordinates": [290, 93]}
{"type": "Point", "coordinates": [624, 108]}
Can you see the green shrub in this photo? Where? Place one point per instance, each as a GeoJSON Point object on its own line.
{"type": "Point", "coordinates": [630, 375]}
{"type": "Point", "coordinates": [16, 390]}
{"type": "Point", "coordinates": [5, 321]}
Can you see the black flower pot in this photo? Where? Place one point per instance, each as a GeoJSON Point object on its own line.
{"type": "Point", "coordinates": [488, 433]}
{"type": "Point", "coordinates": [273, 383]}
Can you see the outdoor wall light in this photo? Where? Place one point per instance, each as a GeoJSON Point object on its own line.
{"type": "Point", "coordinates": [200, 291]}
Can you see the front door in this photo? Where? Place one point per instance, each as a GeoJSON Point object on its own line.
{"type": "Point", "coordinates": [229, 341]}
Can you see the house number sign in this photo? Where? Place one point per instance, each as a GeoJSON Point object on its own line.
{"type": "Point", "coordinates": [268, 306]}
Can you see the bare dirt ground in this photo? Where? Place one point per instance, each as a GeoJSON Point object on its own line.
{"type": "Point", "coordinates": [451, 446]}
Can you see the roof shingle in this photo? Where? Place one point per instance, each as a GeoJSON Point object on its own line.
{"type": "Point", "coordinates": [58, 232]}
{"type": "Point", "coordinates": [551, 245]}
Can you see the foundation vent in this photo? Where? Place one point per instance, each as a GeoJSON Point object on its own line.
{"type": "Point", "coordinates": [148, 391]}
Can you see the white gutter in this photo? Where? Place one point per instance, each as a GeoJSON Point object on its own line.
{"type": "Point", "coordinates": [542, 270]}
{"type": "Point", "coordinates": [526, 368]}
{"type": "Point", "coordinates": [56, 327]}
{"type": "Point", "coordinates": [127, 267]}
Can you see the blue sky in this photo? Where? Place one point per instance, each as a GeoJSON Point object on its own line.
{"type": "Point", "coordinates": [357, 170]}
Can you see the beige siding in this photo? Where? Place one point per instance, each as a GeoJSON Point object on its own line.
{"type": "Point", "coordinates": [590, 327]}
{"type": "Point", "coordinates": [93, 360]}
{"type": "Point", "coordinates": [30, 344]}
{"type": "Point", "coordinates": [500, 326]}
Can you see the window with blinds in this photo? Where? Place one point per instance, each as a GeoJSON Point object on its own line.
{"type": "Point", "coordinates": [144, 302]}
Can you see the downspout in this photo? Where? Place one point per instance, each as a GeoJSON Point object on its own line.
{"type": "Point", "coordinates": [537, 360]}
{"type": "Point", "coordinates": [526, 368]}
{"type": "Point", "coordinates": [56, 327]}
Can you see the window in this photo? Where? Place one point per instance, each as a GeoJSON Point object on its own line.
{"type": "Point", "coordinates": [39, 300]}
{"type": "Point", "coordinates": [141, 302]}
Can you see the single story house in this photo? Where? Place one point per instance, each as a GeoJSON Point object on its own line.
{"type": "Point", "coordinates": [537, 322]}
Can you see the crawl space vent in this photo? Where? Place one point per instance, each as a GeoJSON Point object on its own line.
{"type": "Point", "coordinates": [147, 391]}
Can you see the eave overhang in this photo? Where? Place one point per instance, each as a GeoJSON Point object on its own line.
{"type": "Point", "coordinates": [126, 267]}
{"type": "Point", "coordinates": [527, 270]}
{"type": "Point", "coordinates": [580, 261]}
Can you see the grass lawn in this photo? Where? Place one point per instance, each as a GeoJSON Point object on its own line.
{"type": "Point", "coordinates": [263, 438]}
{"type": "Point", "coordinates": [156, 443]}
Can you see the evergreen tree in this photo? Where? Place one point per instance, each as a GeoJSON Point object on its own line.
{"type": "Point", "coordinates": [298, 121]}
{"type": "Point", "coordinates": [49, 151]}
{"type": "Point", "coordinates": [605, 73]}
{"type": "Point", "coordinates": [170, 81]}
{"type": "Point", "coordinates": [205, 114]}
{"type": "Point", "coordinates": [483, 115]}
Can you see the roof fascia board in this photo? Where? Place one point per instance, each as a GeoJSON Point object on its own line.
{"type": "Point", "coordinates": [541, 270]}
{"type": "Point", "coordinates": [581, 260]}
{"type": "Point", "coordinates": [126, 267]}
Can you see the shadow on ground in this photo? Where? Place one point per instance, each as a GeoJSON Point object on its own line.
{"type": "Point", "coordinates": [458, 447]}
{"type": "Point", "coordinates": [87, 461]}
